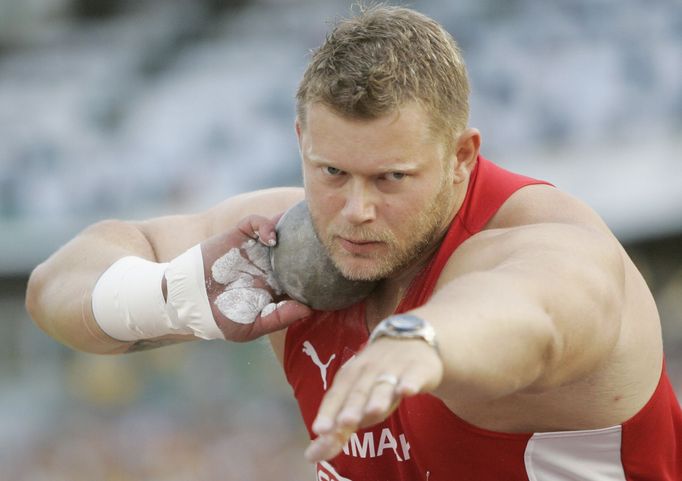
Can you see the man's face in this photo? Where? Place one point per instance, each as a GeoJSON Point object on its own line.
{"type": "Point", "coordinates": [380, 191]}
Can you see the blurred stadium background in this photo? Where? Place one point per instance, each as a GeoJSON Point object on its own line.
{"type": "Point", "coordinates": [113, 108]}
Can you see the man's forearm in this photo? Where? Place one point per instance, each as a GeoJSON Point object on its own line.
{"type": "Point", "coordinates": [103, 292]}
{"type": "Point", "coordinates": [59, 292]}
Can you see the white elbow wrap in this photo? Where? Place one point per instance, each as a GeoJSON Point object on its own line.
{"type": "Point", "coordinates": [128, 302]}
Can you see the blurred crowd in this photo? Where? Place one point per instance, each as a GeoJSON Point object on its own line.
{"type": "Point", "coordinates": [156, 105]}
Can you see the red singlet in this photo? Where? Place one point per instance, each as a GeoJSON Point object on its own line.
{"type": "Point", "coordinates": [424, 441]}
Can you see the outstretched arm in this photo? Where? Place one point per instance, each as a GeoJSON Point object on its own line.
{"type": "Point", "coordinates": [59, 290]}
{"type": "Point", "coordinates": [526, 308]}
{"type": "Point", "coordinates": [519, 309]}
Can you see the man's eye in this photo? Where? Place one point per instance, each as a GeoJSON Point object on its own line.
{"type": "Point", "coordinates": [395, 176]}
{"type": "Point", "coordinates": [332, 171]}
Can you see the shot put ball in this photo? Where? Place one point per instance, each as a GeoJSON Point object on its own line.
{"type": "Point", "coordinates": [303, 268]}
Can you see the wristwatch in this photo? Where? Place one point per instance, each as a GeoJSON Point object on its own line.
{"type": "Point", "coordinates": [405, 326]}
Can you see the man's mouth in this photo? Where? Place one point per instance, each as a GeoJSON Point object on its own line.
{"type": "Point", "coordinates": [358, 246]}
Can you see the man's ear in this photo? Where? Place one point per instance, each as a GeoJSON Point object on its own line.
{"type": "Point", "coordinates": [297, 127]}
{"type": "Point", "coordinates": [467, 148]}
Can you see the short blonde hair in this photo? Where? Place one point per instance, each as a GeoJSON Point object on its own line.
{"type": "Point", "coordinates": [373, 63]}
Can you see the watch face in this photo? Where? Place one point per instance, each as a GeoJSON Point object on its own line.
{"type": "Point", "coordinates": [406, 323]}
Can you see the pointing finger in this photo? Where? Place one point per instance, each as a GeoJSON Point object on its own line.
{"type": "Point", "coordinates": [382, 400]}
{"type": "Point", "coordinates": [345, 388]}
{"type": "Point", "coordinates": [326, 446]}
{"type": "Point", "coordinates": [267, 232]}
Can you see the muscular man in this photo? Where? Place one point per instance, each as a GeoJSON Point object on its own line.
{"type": "Point", "coordinates": [510, 336]}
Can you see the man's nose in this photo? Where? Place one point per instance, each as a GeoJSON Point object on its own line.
{"type": "Point", "coordinates": [360, 206]}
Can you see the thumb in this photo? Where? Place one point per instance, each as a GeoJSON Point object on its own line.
{"type": "Point", "coordinates": [285, 313]}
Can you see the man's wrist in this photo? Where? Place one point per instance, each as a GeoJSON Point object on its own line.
{"type": "Point", "coordinates": [405, 326]}
{"type": "Point", "coordinates": [188, 304]}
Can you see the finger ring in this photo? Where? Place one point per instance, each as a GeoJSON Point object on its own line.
{"type": "Point", "coordinates": [389, 378]}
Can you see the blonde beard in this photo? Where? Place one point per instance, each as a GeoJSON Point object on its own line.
{"type": "Point", "coordinates": [421, 235]}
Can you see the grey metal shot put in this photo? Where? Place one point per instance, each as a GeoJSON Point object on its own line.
{"type": "Point", "coordinates": [303, 268]}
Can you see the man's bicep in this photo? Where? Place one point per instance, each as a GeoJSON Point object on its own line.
{"type": "Point", "coordinates": [169, 236]}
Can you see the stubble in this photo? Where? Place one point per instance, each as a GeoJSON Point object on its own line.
{"type": "Point", "coordinates": [419, 236]}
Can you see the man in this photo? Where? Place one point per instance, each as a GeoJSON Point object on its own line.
{"type": "Point", "coordinates": [511, 336]}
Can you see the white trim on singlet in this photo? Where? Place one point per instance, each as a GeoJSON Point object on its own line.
{"type": "Point", "coordinates": [592, 455]}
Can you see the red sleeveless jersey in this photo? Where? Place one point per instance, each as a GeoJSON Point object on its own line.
{"type": "Point", "coordinates": [423, 440]}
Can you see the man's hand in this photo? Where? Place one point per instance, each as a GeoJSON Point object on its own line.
{"type": "Point", "coordinates": [368, 388]}
{"type": "Point", "coordinates": [245, 299]}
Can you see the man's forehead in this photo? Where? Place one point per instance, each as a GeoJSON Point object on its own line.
{"type": "Point", "coordinates": [400, 131]}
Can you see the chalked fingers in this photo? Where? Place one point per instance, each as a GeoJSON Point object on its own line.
{"type": "Point", "coordinates": [277, 316]}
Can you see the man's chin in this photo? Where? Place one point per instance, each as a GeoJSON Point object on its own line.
{"type": "Point", "coordinates": [363, 276]}
{"type": "Point", "coordinates": [361, 269]}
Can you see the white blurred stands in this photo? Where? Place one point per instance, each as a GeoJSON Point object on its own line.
{"type": "Point", "coordinates": [168, 106]}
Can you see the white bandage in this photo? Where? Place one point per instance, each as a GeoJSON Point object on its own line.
{"type": "Point", "coordinates": [127, 300]}
{"type": "Point", "coordinates": [128, 303]}
{"type": "Point", "coordinates": [188, 297]}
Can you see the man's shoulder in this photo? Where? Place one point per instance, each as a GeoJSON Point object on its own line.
{"type": "Point", "coordinates": [533, 218]}
{"type": "Point", "coordinates": [544, 204]}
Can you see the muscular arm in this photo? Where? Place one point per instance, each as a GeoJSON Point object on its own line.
{"type": "Point", "coordinates": [526, 308]}
{"type": "Point", "coordinates": [531, 303]}
{"type": "Point", "coordinates": [59, 291]}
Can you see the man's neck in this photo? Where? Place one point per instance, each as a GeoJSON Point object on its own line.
{"type": "Point", "coordinates": [391, 290]}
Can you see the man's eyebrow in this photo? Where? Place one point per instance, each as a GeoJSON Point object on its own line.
{"type": "Point", "coordinates": [400, 166]}
{"type": "Point", "coordinates": [316, 158]}
{"type": "Point", "coordinates": [388, 166]}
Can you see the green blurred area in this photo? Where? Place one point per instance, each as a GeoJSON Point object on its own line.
{"type": "Point", "coordinates": [200, 411]}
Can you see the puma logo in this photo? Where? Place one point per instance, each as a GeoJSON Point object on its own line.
{"type": "Point", "coordinates": [310, 351]}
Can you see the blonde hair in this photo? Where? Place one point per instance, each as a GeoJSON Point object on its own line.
{"type": "Point", "coordinates": [373, 63]}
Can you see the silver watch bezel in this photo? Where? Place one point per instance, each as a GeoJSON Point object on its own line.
{"type": "Point", "coordinates": [390, 327]}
